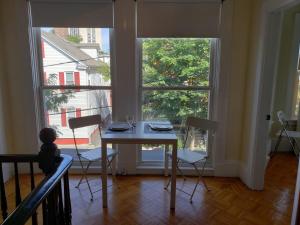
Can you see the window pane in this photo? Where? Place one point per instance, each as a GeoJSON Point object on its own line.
{"type": "Point", "coordinates": [69, 78]}
{"type": "Point", "coordinates": [83, 51]}
{"type": "Point", "coordinates": [176, 62]}
{"type": "Point", "coordinates": [174, 106]}
{"type": "Point", "coordinates": [61, 105]}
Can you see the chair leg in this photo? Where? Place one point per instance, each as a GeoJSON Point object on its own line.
{"type": "Point", "coordinates": [200, 177]}
{"type": "Point", "coordinates": [82, 176]}
{"type": "Point", "coordinates": [180, 171]}
{"type": "Point", "coordinates": [277, 143]}
{"type": "Point", "coordinates": [86, 179]}
{"type": "Point", "coordinates": [293, 144]}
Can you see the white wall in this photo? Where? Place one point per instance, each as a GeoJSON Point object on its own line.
{"type": "Point", "coordinates": [238, 83]}
{"type": "Point", "coordinates": [19, 93]}
{"type": "Point", "coordinates": [4, 111]}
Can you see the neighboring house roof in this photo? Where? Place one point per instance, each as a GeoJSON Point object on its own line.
{"type": "Point", "coordinates": [71, 49]}
{"type": "Point", "coordinates": [88, 45]}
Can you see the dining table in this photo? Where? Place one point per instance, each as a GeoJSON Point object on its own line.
{"type": "Point", "coordinates": [140, 133]}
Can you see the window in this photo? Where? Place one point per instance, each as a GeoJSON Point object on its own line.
{"type": "Point", "coordinates": [176, 82]}
{"type": "Point", "coordinates": [76, 82]}
{"type": "Point", "coordinates": [91, 35]}
{"type": "Point", "coordinates": [74, 31]}
{"type": "Point", "coordinates": [71, 113]}
{"type": "Point", "coordinates": [69, 78]}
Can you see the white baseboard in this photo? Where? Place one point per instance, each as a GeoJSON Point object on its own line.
{"type": "Point", "coordinates": [284, 145]}
{"type": "Point", "coordinates": [245, 174]}
{"type": "Point", "coordinates": [228, 168]}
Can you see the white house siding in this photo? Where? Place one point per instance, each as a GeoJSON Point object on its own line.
{"type": "Point", "coordinates": [91, 52]}
{"type": "Point", "coordinates": [80, 99]}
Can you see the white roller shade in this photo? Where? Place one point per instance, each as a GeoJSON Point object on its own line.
{"type": "Point", "coordinates": [167, 18]}
{"type": "Point", "coordinates": [72, 13]}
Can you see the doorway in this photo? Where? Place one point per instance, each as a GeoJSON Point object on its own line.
{"type": "Point", "coordinates": [265, 87]}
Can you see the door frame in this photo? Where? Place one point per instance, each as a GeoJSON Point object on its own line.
{"type": "Point", "coordinates": [264, 84]}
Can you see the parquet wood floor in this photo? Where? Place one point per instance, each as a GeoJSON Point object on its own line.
{"type": "Point", "coordinates": [142, 200]}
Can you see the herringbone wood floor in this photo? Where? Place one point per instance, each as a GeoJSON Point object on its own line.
{"type": "Point", "coordinates": [143, 200]}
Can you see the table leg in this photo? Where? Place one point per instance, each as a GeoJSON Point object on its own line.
{"type": "Point", "coordinates": [173, 178]}
{"type": "Point", "coordinates": [104, 174]}
{"type": "Point", "coordinates": [166, 160]}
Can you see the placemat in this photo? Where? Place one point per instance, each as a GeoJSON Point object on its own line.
{"type": "Point", "coordinates": [129, 131]}
{"type": "Point", "coordinates": [148, 130]}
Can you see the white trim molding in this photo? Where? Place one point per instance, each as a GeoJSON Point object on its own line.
{"type": "Point", "coordinates": [253, 171]}
{"type": "Point", "coordinates": [228, 168]}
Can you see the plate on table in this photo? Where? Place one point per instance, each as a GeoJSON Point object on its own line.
{"type": "Point", "coordinates": [119, 126]}
{"type": "Point", "coordinates": [161, 127]}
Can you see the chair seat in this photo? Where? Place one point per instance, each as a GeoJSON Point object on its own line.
{"type": "Point", "coordinates": [292, 134]}
{"type": "Point", "coordinates": [189, 156]}
{"type": "Point", "coordinates": [95, 154]}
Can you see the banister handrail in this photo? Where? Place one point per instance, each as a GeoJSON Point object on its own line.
{"type": "Point", "coordinates": [8, 158]}
{"type": "Point", "coordinates": [29, 205]}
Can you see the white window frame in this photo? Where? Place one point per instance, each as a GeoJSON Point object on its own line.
{"type": "Point", "coordinates": [211, 91]}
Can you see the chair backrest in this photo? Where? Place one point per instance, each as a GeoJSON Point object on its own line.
{"type": "Point", "coordinates": [84, 121]}
{"type": "Point", "coordinates": [282, 118]}
{"type": "Point", "coordinates": [202, 124]}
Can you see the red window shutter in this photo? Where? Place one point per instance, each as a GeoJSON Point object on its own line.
{"type": "Point", "coordinates": [78, 112]}
{"type": "Point", "coordinates": [43, 48]}
{"type": "Point", "coordinates": [63, 117]}
{"type": "Point", "coordinates": [77, 79]}
{"type": "Point", "coordinates": [61, 78]}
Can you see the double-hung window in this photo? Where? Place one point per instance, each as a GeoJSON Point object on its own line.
{"type": "Point", "coordinates": [75, 78]}
{"type": "Point", "coordinates": [76, 82]}
{"type": "Point", "coordinates": [177, 78]}
{"type": "Point", "coordinates": [177, 58]}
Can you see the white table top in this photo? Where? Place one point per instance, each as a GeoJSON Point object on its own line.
{"type": "Point", "coordinates": [138, 135]}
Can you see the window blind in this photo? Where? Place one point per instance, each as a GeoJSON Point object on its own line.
{"type": "Point", "coordinates": [178, 18]}
{"type": "Point", "coordinates": [72, 13]}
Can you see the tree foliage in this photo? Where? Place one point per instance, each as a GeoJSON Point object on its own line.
{"type": "Point", "coordinates": [175, 62]}
{"type": "Point", "coordinates": [54, 99]}
{"type": "Point", "coordinates": [104, 70]}
{"type": "Point", "coordinates": [74, 38]}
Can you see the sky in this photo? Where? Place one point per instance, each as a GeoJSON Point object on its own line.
{"type": "Point", "coordinates": [104, 35]}
{"type": "Point", "coordinates": [105, 39]}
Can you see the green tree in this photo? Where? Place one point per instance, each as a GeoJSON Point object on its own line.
{"type": "Point", "coordinates": [175, 62]}
{"type": "Point", "coordinates": [104, 70]}
{"type": "Point", "coordinates": [74, 38]}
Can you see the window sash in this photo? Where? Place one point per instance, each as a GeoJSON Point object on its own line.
{"type": "Point", "coordinates": [74, 87]}
{"type": "Point", "coordinates": [210, 88]}
{"type": "Point", "coordinates": [179, 88]}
